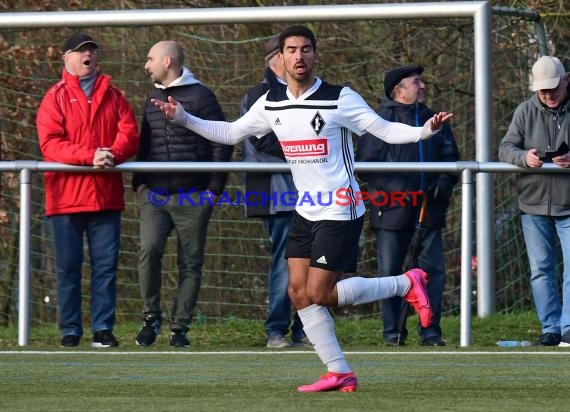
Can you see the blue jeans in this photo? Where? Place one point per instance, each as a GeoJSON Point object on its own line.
{"type": "Point", "coordinates": [539, 235]}
{"type": "Point", "coordinates": [392, 247]}
{"type": "Point", "coordinates": [279, 305]}
{"type": "Point", "coordinates": [103, 231]}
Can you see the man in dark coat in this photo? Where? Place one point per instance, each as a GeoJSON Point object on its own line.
{"type": "Point", "coordinates": [395, 223]}
{"type": "Point", "coordinates": [174, 201]}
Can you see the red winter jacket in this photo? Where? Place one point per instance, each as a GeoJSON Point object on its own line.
{"type": "Point", "coordinates": [70, 129]}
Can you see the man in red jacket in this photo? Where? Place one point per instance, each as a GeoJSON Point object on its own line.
{"type": "Point", "coordinates": [84, 120]}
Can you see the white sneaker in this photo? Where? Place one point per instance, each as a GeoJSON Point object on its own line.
{"type": "Point", "coordinates": [278, 342]}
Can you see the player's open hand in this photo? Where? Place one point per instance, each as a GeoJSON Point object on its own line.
{"type": "Point", "coordinates": [168, 108]}
{"type": "Point", "coordinates": [439, 119]}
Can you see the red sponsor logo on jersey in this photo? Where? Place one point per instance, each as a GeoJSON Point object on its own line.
{"type": "Point", "coordinates": [302, 148]}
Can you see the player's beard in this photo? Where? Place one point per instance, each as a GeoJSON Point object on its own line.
{"type": "Point", "coordinates": [304, 77]}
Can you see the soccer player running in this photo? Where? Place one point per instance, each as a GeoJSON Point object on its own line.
{"type": "Point", "coordinates": [313, 121]}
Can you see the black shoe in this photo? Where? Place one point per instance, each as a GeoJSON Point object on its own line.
{"type": "Point", "coordinates": [549, 339]}
{"type": "Point", "coordinates": [433, 341]}
{"type": "Point", "coordinates": [395, 341]}
{"type": "Point", "coordinates": [565, 341]}
{"type": "Point", "coordinates": [300, 342]}
{"type": "Point", "coordinates": [151, 328]}
{"type": "Point", "coordinates": [69, 341]}
{"type": "Point", "coordinates": [104, 339]}
{"type": "Point", "coordinates": [178, 338]}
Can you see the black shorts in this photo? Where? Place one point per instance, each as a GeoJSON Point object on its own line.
{"type": "Point", "coordinates": [329, 244]}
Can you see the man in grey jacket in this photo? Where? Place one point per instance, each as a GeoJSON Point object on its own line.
{"type": "Point", "coordinates": [540, 132]}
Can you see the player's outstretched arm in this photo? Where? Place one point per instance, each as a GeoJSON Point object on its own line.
{"type": "Point", "coordinates": [216, 131]}
{"type": "Point", "coordinates": [400, 133]}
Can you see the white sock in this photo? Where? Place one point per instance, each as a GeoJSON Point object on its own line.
{"type": "Point", "coordinates": [358, 290]}
{"type": "Point", "coordinates": [319, 327]}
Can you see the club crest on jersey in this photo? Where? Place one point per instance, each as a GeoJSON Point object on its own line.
{"type": "Point", "coordinates": [305, 148]}
{"type": "Point", "coordinates": [318, 123]}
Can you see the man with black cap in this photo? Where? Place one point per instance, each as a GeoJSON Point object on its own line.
{"type": "Point", "coordinates": [395, 225]}
{"type": "Point", "coordinates": [84, 120]}
{"type": "Point", "coordinates": [276, 215]}
{"type": "Point", "coordinates": [540, 132]}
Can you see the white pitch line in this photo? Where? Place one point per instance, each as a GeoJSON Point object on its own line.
{"type": "Point", "coordinates": [209, 353]}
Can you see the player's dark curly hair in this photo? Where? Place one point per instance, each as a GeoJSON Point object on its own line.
{"type": "Point", "coordinates": [297, 30]}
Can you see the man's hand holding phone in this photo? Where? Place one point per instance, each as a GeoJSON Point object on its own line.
{"type": "Point", "coordinates": [549, 155]}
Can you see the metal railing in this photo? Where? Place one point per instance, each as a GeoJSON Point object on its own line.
{"type": "Point", "coordinates": [466, 169]}
{"type": "Point", "coordinates": [479, 11]}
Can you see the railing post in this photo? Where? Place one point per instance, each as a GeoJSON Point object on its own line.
{"type": "Point", "coordinates": [24, 269]}
{"type": "Point", "coordinates": [466, 256]}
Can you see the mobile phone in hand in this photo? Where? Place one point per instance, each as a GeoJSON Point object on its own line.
{"type": "Point", "coordinates": [550, 154]}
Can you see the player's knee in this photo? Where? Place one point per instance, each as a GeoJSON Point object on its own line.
{"type": "Point", "coordinates": [320, 297]}
{"type": "Point", "coordinates": [297, 295]}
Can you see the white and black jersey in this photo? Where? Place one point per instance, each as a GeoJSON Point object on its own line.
{"type": "Point", "coordinates": [315, 133]}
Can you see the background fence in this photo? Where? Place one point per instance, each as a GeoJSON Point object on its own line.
{"type": "Point", "coordinates": [229, 59]}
